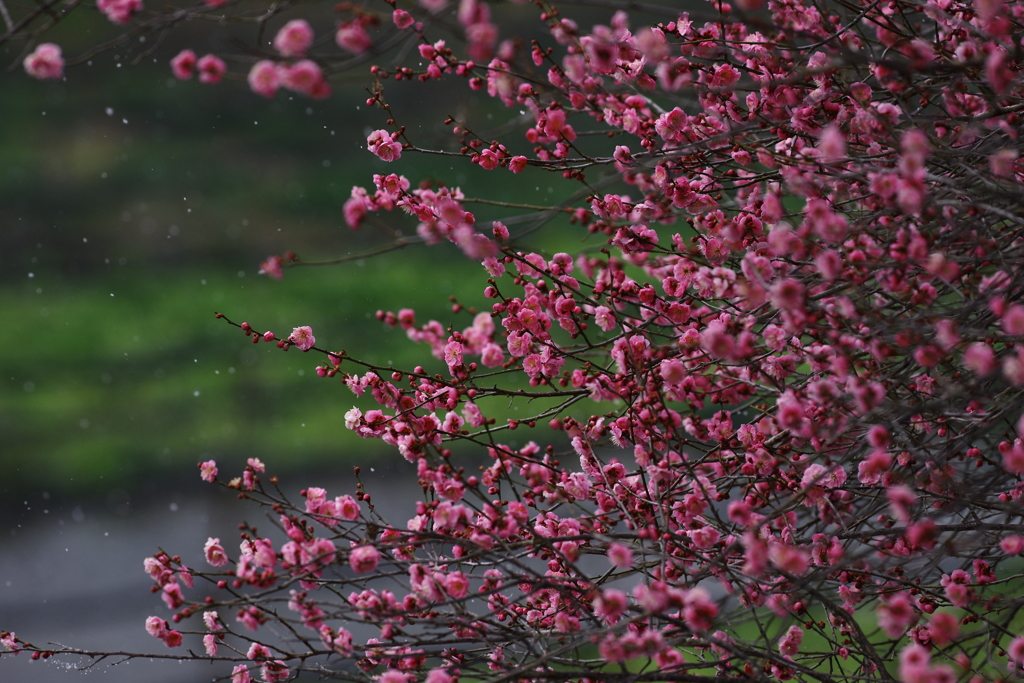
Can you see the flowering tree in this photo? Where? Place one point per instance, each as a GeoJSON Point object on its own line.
{"type": "Point", "coordinates": [789, 385]}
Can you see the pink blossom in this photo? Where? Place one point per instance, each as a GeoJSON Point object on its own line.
{"type": "Point", "coordinates": [208, 470]}
{"type": "Point", "coordinates": [610, 605]}
{"type": "Point", "coordinates": [1013, 320]}
{"type": "Point", "coordinates": [294, 38]}
{"type": "Point", "coordinates": [264, 78]}
{"type": "Point", "coordinates": [896, 615]}
{"type": "Point", "coordinates": [789, 644]}
{"type": "Point", "coordinates": [274, 672]}
{"type": "Point", "coordinates": [352, 36]}
{"type": "Point", "coordinates": [210, 644]}
{"type": "Point", "coordinates": [305, 76]}
{"type": "Point", "coordinates": [348, 508]}
{"type": "Point", "coordinates": [215, 554]}
{"type": "Point", "coordinates": [456, 585]}
{"type": "Point", "coordinates": [10, 641]}
{"type": "Point", "coordinates": [380, 143]}
{"type": "Point", "coordinates": [119, 11]}
{"type": "Point", "coordinates": [788, 558]}
{"type": "Point", "coordinates": [258, 652]}
{"type": "Point", "coordinates": [302, 338]}
{"type": "Point", "coordinates": [212, 621]}
{"type": "Point", "coordinates": [240, 674]}
{"type": "Point", "coordinates": [517, 163]}
{"type": "Point", "coordinates": [1015, 651]}
{"type": "Point", "coordinates": [364, 559]}
{"type": "Point", "coordinates": [620, 556]}
{"type": "Point", "coordinates": [1012, 544]}
{"type": "Point", "coordinates": [211, 69]}
{"type": "Point", "coordinates": [832, 144]}
{"type": "Point", "coordinates": [402, 19]}
{"type": "Point", "coordinates": [438, 676]}
{"type": "Point", "coordinates": [156, 627]}
{"type": "Point", "coordinates": [184, 65]}
{"type": "Point", "coordinates": [943, 628]}
{"type": "Point", "coordinates": [45, 62]}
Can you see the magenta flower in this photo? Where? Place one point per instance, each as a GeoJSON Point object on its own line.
{"type": "Point", "coordinates": [184, 65]}
{"type": "Point", "coordinates": [211, 69]}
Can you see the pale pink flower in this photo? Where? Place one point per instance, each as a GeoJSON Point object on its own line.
{"type": "Point", "coordinates": [352, 36]}
{"type": "Point", "coordinates": [380, 143]}
{"type": "Point", "coordinates": [789, 644]}
{"type": "Point", "coordinates": [364, 559]}
{"type": "Point", "coordinates": [943, 628]}
{"type": "Point", "coordinates": [119, 11]}
{"type": "Point", "coordinates": [1013, 321]}
{"type": "Point", "coordinates": [789, 559]}
{"type": "Point", "coordinates": [210, 643]}
{"type": "Point", "coordinates": [264, 78]}
{"type": "Point", "coordinates": [240, 674]}
{"type": "Point", "coordinates": [10, 641]}
{"type": "Point", "coordinates": [393, 676]}
{"type": "Point", "coordinates": [302, 338]}
{"type": "Point", "coordinates": [896, 615]}
{"type": "Point", "coordinates": [208, 470]}
{"type": "Point", "coordinates": [211, 69]}
{"type": "Point", "coordinates": [184, 65]}
{"type": "Point", "coordinates": [348, 508]}
{"type": "Point", "coordinates": [156, 627]}
{"type": "Point", "coordinates": [610, 605]}
{"type": "Point", "coordinates": [212, 620]}
{"type": "Point", "coordinates": [456, 585]}
{"type": "Point", "coordinates": [439, 676]}
{"type": "Point", "coordinates": [294, 38]}
{"type": "Point", "coordinates": [258, 651]}
{"type": "Point", "coordinates": [45, 62]}
{"type": "Point", "coordinates": [1012, 544]}
{"type": "Point", "coordinates": [832, 144]}
{"type": "Point", "coordinates": [620, 556]}
{"type": "Point", "coordinates": [305, 76]}
{"type": "Point", "coordinates": [1015, 651]}
{"type": "Point", "coordinates": [214, 552]}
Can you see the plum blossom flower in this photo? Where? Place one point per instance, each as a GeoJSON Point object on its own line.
{"type": "Point", "coordinates": [119, 11]}
{"type": "Point", "coordinates": [264, 78]}
{"type": "Point", "coordinates": [620, 556]}
{"type": "Point", "coordinates": [402, 19]}
{"type": "Point", "coordinates": [211, 69]}
{"type": "Point", "coordinates": [208, 470]}
{"type": "Point", "coordinates": [214, 552]}
{"type": "Point", "coordinates": [294, 38]}
{"type": "Point", "coordinates": [45, 62]}
{"type": "Point", "coordinates": [380, 143]}
{"type": "Point", "coordinates": [352, 36]}
{"type": "Point", "coordinates": [184, 65]}
{"type": "Point", "coordinates": [302, 338]}
{"type": "Point", "coordinates": [364, 559]}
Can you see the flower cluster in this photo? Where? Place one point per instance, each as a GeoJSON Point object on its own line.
{"type": "Point", "coordinates": [783, 395]}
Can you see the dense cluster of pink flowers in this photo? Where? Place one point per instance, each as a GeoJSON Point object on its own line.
{"type": "Point", "coordinates": [784, 399]}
